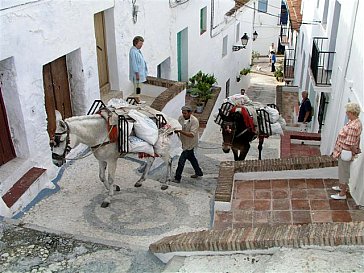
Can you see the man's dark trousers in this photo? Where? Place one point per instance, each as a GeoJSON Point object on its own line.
{"type": "Point", "coordinates": [190, 155]}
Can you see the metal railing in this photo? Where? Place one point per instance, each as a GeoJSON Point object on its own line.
{"type": "Point", "coordinates": [321, 61]}
{"type": "Point", "coordinates": [289, 63]}
{"type": "Point", "coordinates": [322, 110]}
{"type": "Point", "coordinates": [284, 35]}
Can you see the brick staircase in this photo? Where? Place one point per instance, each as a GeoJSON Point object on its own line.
{"type": "Point", "coordinates": [264, 236]}
{"type": "Point", "coordinates": [209, 242]}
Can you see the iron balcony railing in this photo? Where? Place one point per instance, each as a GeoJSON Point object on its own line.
{"type": "Point", "coordinates": [284, 36]}
{"type": "Point", "coordinates": [322, 110]}
{"type": "Point", "coordinates": [289, 62]}
{"type": "Point", "coordinates": [321, 61]}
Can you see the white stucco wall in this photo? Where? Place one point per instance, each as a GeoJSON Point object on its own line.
{"type": "Point", "coordinates": [267, 26]}
{"type": "Point", "coordinates": [38, 32]}
{"type": "Point", "coordinates": [204, 51]}
{"type": "Point", "coordinates": [347, 69]}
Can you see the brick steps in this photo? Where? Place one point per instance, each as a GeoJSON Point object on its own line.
{"type": "Point", "coordinates": [288, 149]}
{"type": "Point", "coordinates": [265, 236]}
{"type": "Point", "coordinates": [318, 234]}
{"type": "Point", "coordinates": [225, 182]}
{"type": "Point", "coordinates": [20, 187]}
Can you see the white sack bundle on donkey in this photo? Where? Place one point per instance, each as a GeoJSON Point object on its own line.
{"type": "Point", "coordinates": [242, 121]}
{"type": "Point", "coordinates": [94, 131]}
{"type": "Point", "coordinates": [277, 122]}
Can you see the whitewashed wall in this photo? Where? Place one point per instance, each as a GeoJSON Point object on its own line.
{"type": "Point", "coordinates": [38, 32]}
{"type": "Point", "coordinates": [267, 26]}
{"type": "Point", "coordinates": [347, 77]}
{"type": "Point", "coordinates": [160, 33]}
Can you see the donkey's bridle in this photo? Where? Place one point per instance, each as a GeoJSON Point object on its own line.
{"type": "Point", "coordinates": [57, 140]}
{"type": "Point", "coordinates": [233, 131]}
{"type": "Point", "coordinates": [230, 128]}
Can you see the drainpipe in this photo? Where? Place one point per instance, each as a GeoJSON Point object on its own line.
{"type": "Point", "coordinates": [212, 17]}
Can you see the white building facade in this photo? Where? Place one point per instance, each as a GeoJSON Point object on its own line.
{"type": "Point", "coordinates": [329, 64]}
{"type": "Point", "coordinates": [66, 53]}
{"type": "Point", "coordinates": [267, 18]}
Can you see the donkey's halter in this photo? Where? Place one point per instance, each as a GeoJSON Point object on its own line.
{"type": "Point", "coordinates": [228, 127]}
{"type": "Point", "coordinates": [57, 141]}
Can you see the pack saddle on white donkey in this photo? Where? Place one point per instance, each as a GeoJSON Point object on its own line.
{"type": "Point", "coordinates": [93, 131]}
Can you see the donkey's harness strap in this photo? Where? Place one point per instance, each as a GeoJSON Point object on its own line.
{"type": "Point", "coordinates": [68, 148]}
{"type": "Point", "coordinates": [242, 132]}
{"type": "Point", "coordinates": [100, 145]}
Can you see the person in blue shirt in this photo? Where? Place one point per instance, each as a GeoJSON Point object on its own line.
{"type": "Point", "coordinates": [138, 70]}
{"type": "Point", "coordinates": [273, 56]}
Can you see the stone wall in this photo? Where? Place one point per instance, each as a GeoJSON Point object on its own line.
{"type": "Point", "coordinates": [287, 100]}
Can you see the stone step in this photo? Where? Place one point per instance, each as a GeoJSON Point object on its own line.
{"type": "Point", "coordinates": [24, 191]}
{"type": "Point", "coordinates": [214, 242]}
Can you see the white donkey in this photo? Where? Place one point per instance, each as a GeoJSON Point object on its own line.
{"type": "Point", "coordinates": [91, 130]}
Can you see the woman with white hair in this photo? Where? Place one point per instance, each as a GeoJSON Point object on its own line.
{"type": "Point", "coordinates": [346, 147]}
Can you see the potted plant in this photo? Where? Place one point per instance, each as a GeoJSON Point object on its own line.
{"type": "Point", "coordinates": [279, 74]}
{"type": "Point", "coordinates": [200, 85]}
{"type": "Point", "coordinates": [245, 71]}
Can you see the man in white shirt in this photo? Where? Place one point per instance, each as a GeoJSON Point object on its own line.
{"type": "Point", "coordinates": [189, 139]}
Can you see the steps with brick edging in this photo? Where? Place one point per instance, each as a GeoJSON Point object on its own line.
{"type": "Point", "coordinates": [287, 145]}
{"type": "Point", "coordinates": [24, 191]}
{"type": "Point", "coordinates": [225, 182]}
{"type": "Point", "coordinates": [173, 89]}
{"type": "Point", "coordinates": [318, 234]}
{"type": "Point", "coordinates": [263, 236]}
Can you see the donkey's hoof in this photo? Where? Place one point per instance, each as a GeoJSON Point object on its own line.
{"type": "Point", "coordinates": [117, 188]}
{"type": "Point", "coordinates": [105, 204]}
{"type": "Point", "coordinates": [137, 184]}
{"type": "Point", "coordinates": [164, 187]}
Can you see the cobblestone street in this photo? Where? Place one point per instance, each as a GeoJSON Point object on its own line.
{"type": "Point", "coordinates": [66, 230]}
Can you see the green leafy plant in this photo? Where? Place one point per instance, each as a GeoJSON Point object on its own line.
{"type": "Point", "coordinates": [245, 71]}
{"type": "Point", "coordinates": [200, 85]}
{"type": "Point", "coordinates": [278, 73]}
{"type": "Point", "coordinates": [255, 55]}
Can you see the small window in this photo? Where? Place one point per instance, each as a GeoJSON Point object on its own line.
{"type": "Point", "coordinates": [262, 5]}
{"type": "Point", "coordinates": [203, 20]}
{"type": "Point", "coordinates": [237, 38]}
{"type": "Point", "coordinates": [224, 45]}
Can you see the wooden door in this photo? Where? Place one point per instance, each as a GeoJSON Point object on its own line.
{"type": "Point", "coordinates": [99, 22]}
{"type": "Point", "coordinates": [57, 91]}
{"type": "Point", "coordinates": [7, 151]}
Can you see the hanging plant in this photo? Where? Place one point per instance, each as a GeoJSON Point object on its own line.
{"type": "Point", "coordinates": [245, 71]}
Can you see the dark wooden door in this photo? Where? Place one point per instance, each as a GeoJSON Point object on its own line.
{"type": "Point", "coordinates": [57, 91]}
{"type": "Point", "coordinates": [7, 151]}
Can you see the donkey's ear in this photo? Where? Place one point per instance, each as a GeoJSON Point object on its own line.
{"type": "Point", "coordinates": [62, 125]}
{"type": "Point", "coordinates": [58, 115]}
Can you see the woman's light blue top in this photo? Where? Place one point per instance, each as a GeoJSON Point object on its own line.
{"type": "Point", "coordinates": [137, 64]}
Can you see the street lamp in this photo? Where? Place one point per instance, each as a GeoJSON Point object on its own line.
{"type": "Point", "coordinates": [244, 42]}
{"type": "Point", "coordinates": [255, 35]}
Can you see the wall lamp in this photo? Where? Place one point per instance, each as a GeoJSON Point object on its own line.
{"type": "Point", "coordinates": [244, 42]}
{"type": "Point", "coordinates": [255, 35]}
{"type": "Point", "coordinates": [135, 11]}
